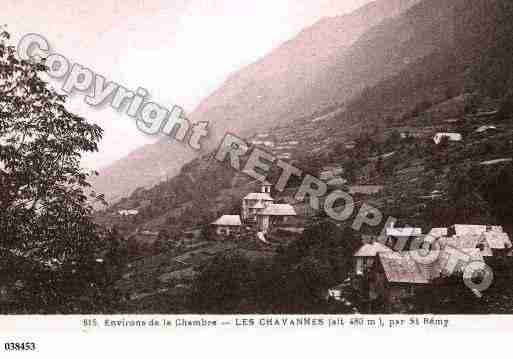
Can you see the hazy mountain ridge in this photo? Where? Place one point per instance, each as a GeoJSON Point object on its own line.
{"type": "Point", "coordinates": [420, 98]}
{"type": "Point", "coordinates": [275, 89]}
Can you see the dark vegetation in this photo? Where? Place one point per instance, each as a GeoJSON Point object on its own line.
{"type": "Point", "coordinates": [53, 257]}
{"type": "Point", "coordinates": [294, 281]}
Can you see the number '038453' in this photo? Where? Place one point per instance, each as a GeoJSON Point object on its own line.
{"type": "Point", "coordinates": [27, 346]}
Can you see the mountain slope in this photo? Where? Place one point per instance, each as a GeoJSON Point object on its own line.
{"type": "Point", "coordinates": [276, 89]}
{"type": "Point", "coordinates": [427, 96]}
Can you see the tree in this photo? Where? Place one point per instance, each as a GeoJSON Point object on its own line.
{"type": "Point", "coordinates": [45, 212]}
{"type": "Point", "coordinates": [222, 284]}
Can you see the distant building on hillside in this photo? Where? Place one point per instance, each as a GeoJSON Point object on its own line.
{"type": "Point", "coordinates": [128, 212]}
{"type": "Point", "coordinates": [395, 278]}
{"type": "Point", "coordinates": [365, 189]}
{"type": "Point", "coordinates": [497, 161]}
{"type": "Point", "coordinates": [350, 145]}
{"type": "Point", "coordinates": [401, 238]}
{"type": "Point", "coordinates": [486, 128]}
{"type": "Point", "coordinates": [256, 202]}
{"type": "Point", "coordinates": [326, 175]}
{"type": "Point", "coordinates": [364, 258]}
{"type": "Point", "coordinates": [438, 232]}
{"type": "Point", "coordinates": [337, 182]}
{"type": "Point", "coordinates": [273, 215]}
{"type": "Point", "coordinates": [227, 225]}
{"type": "Point", "coordinates": [498, 242]}
{"type": "Point", "coordinates": [466, 229]}
{"type": "Point", "coordinates": [492, 241]}
{"type": "Point", "coordinates": [451, 136]}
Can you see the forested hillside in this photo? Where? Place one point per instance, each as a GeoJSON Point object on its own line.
{"type": "Point", "coordinates": [447, 72]}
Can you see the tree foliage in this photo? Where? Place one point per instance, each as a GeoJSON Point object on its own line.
{"type": "Point", "coordinates": [45, 207]}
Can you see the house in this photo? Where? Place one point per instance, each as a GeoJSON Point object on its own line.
{"type": "Point", "coordinates": [486, 128]}
{"type": "Point", "coordinates": [497, 161]}
{"type": "Point", "coordinates": [128, 212]}
{"type": "Point", "coordinates": [227, 225]}
{"type": "Point", "coordinates": [337, 171]}
{"type": "Point", "coordinates": [435, 234]}
{"type": "Point", "coordinates": [490, 240]}
{"type": "Point", "coordinates": [364, 258]}
{"type": "Point", "coordinates": [498, 242]}
{"type": "Point", "coordinates": [465, 229]}
{"type": "Point", "coordinates": [486, 114]}
{"type": "Point", "coordinates": [255, 203]}
{"type": "Point", "coordinates": [326, 175]}
{"type": "Point", "coordinates": [466, 242]}
{"type": "Point", "coordinates": [365, 189]}
{"type": "Point", "coordinates": [451, 136]}
{"type": "Point", "coordinates": [438, 232]}
{"type": "Point", "coordinates": [274, 215]}
{"type": "Point", "coordinates": [331, 172]}
{"type": "Point", "coordinates": [350, 145]}
{"type": "Point", "coordinates": [453, 261]}
{"type": "Point", "coordinates": [395, 278]}
{"type": "Point", "coordinates": [401, 238]}
{"type": "Point", "coordinates": [337, 293]}
{"type": "Point", "coordinates": [337, 182]}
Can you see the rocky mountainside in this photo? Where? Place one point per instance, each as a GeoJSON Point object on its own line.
{"type": "Point", "coordinates": [295, 80]}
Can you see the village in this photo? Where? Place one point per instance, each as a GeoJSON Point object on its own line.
{"type": "Point", "coordinates": [405, 171]}
{"type": "Point", "coordinates": [389, 268]}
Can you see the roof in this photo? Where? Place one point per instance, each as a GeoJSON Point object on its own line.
{"type": "Point", "coordinates": [258, 205]}
{"type": "Point", "coordinates": [486, 128]}
{"type": "Point", "coordinates": [228, 220]}
{"type": "Point", "coordinates": [461, 229]}
{"type": "Point", "coordinates": [132, 212]}
{"type": "Point", "coordinates": [497, 161]}
{"type": "Point", "coordinates": [337, 181]}
{"type": "Point", "coordinates": [279, 210]}
{"type": "Point", "coordinates": [474, 255]}
{"type": "Point", "coordinates": [259, 196]}
{"type": "Point", "coordinates": [497, 240]}
{"type": "Point", "coordinates": [326, 175]}
{"type": "Point", "coordinates": [438, 232]}
{"type": "Point", "coordinates": [421, 267]}
{"type": "Point", "coordinates": [402, 268]}
{"type": "Point", "coordinates": [372, 250]}
{"type": "Point", "coordinates": [428, 262]}
{"type": "Point", "coordinates": [451, 135]}
{"type": "Point", "coordinates": [365, 189]}
{"type": "Point", "coordinates": [404, 232]}
{"type": "Point", "coordinates": [462, 241]}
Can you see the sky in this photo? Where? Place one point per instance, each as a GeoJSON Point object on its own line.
{"type": "Point", "coordinates": [179, 50]}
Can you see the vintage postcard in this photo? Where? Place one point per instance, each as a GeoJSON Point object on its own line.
{"type": "Point", "coordinates": [254, 170]}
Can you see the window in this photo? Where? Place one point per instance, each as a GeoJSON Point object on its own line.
{"type": "Point", "coordinates": [359, 266]}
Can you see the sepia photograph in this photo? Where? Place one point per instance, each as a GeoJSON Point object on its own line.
{"type": "Point", "coordinates": [273, 164]}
